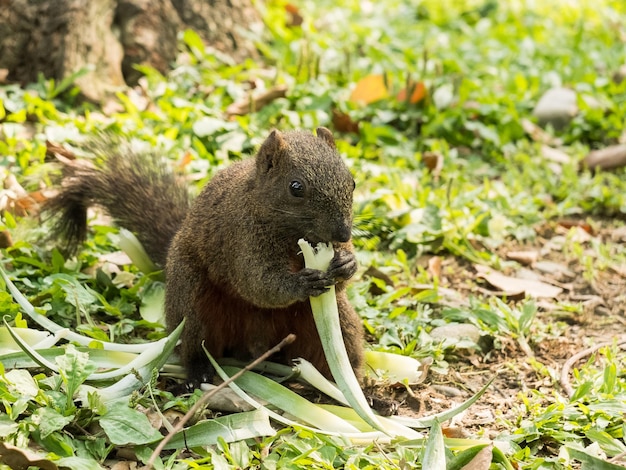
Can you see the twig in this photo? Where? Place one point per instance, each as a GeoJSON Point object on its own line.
{"type": "Point", "coordinates": [564, 381]}
{"type": "Point", "coordinates": [209, 393]}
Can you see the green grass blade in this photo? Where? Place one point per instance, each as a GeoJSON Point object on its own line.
{"type": "Point", "coordinates": [435, 451]}
{"type": "Point", "coordinates": [444, 415]}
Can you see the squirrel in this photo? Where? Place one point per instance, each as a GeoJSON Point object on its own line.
{"type": "Point", "coordinates": [231, 260]}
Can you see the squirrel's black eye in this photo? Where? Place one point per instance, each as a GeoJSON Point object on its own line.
{"type": "Point", "coordinates": [353, 185]}
{"type": "Point", "coordinates": [296, 188]}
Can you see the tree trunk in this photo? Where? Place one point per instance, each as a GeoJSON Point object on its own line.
{"type": "Point", "coordinates": [58, 38]}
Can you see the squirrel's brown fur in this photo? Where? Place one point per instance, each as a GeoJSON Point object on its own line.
{"type": "Point", "coordinates": [233, 269]}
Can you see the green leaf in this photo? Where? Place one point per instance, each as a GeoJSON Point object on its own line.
{"type": "Point", "coordinates": [78, 463]}
{"type": "Point", "coordinates": [127, 426]}
{"type": "Point", "coordinates": [50, 421]}
{"type": "Point", "coordinates": [7, 426]}
{"type": "Point", "coordinates": [590, 462]}
{"type": "Point", "coordinates": [153, 303]}
{"type": "Point", "coordinates": [74, 368]}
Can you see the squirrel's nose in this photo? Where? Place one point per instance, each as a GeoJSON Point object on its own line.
{"type": "Point", "coordinates": [342, 233]}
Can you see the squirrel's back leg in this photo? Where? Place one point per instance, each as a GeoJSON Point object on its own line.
{"type": "Point", "coordinates": [184, 285]}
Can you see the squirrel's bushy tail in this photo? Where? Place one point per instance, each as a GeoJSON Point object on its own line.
{"type": "Point", "coordinates": [139, 191]}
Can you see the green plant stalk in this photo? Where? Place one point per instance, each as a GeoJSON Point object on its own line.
{"type": "Point", "coordinates": [354, 437]}
{"type": "Point", "coordinates": [289, 401]}
{"type": "Point", "coordinates": [235, 427]}
{"type": "Point", "coordinates": [326, 316]}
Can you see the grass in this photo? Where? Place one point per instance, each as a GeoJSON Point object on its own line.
{"type": "Point", "coordinates": [484, 65]}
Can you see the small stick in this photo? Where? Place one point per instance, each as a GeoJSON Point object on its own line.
{"type": "Point", "coordinates": [209, 393]}
{"type": "Point", "coordinates": [564, 381]}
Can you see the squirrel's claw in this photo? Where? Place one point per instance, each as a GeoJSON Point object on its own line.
{"type": "Point", "coordinates": [343, 266]}
{"type": "Point", "coordinates": [313, 282]}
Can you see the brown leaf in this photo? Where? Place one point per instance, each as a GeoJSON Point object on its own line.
{"type": "Point", "coordinates": [417, 91]}
{"type": "Point", "coordinates": [54, 149]}
{"type": "Point", "coordinates": [14, 198]}
{"type": "Point", "coordinates": [21, 459]}
{"type": "Point", "coordinates": [186, 160]}
{"type": "Point", "coordinates": [5, 239]}
{"type": "Point", "coordinates": [433, 161]}
{"type": "Point", "coordinates": [344, 123]}
{"type": "Point", "coordinates": [482, 460]}
{"type": "Point", "coordinates": [523, 257]}
{"type": "Point", "coordinates": [434, 267]}
{"type": "Point", "coordinates": [295, 17]}
{"type": "Point", "coordinates": [257, 102]}
{"type": "Point", "coordinates": [513, 286]}
{"type": "Point", "coordinates": [454, 432]}
{"type": "Point", "coordinates": [369, 89]}
{"type": "Point", "coordinates": [569, 223]}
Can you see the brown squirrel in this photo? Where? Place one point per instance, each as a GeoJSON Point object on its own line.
{"type": "Point", "coordinates": [231, 259]}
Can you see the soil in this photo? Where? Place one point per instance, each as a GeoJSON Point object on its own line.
{"type": "Point", "coordinates": [557, 333]}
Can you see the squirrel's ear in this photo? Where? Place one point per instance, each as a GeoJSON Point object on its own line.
{"type": "Point", "coordinates": [270, 151]}
{"type": "Point", "coordinates": [326, 136]}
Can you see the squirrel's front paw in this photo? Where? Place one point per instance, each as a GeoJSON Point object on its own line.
{"type": "Point", "coordinates": [313, 282]}
{"type": "Point", "coordinates": [343, 266]}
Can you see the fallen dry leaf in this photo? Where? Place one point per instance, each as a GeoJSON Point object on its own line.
{"type": "Point", "coordinates": [256, 102]}
{"type": "Point", "coordinates": [369, 89]}
{"type": "Point", "coordinates": [19, 459]}
{"type": "Point", "coordinates": [513, 286]}
{"type": "Point", "coordinates": [185, 161]}
{"type": "Point", "coordinates": [569, 223]}
{"type": "Point", "coordinates": [433, 161]}
{"type": "Point", "coordinates": [295, 16]}
{"type": "Point", "coordinates": [417, 91]}
{"type": "Point", "coordinates": [482, 460]}
{"type": "Point", "coordinates": [619, 234]}
{"type": "Point", "coordinates": [434, 267]}
{"type": "Point", "coordinates": [14, 198]}
{"type": "Point", "coordinates": [344, 123]}
{"type": "Point", "coordinates": [53, 149]}
{"type": "Point", "coordinates": [523, 257]}
{"type": "Point", "coordinates": [550, 267]}
{"type": "Point", "coordinates": [5, 239]}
